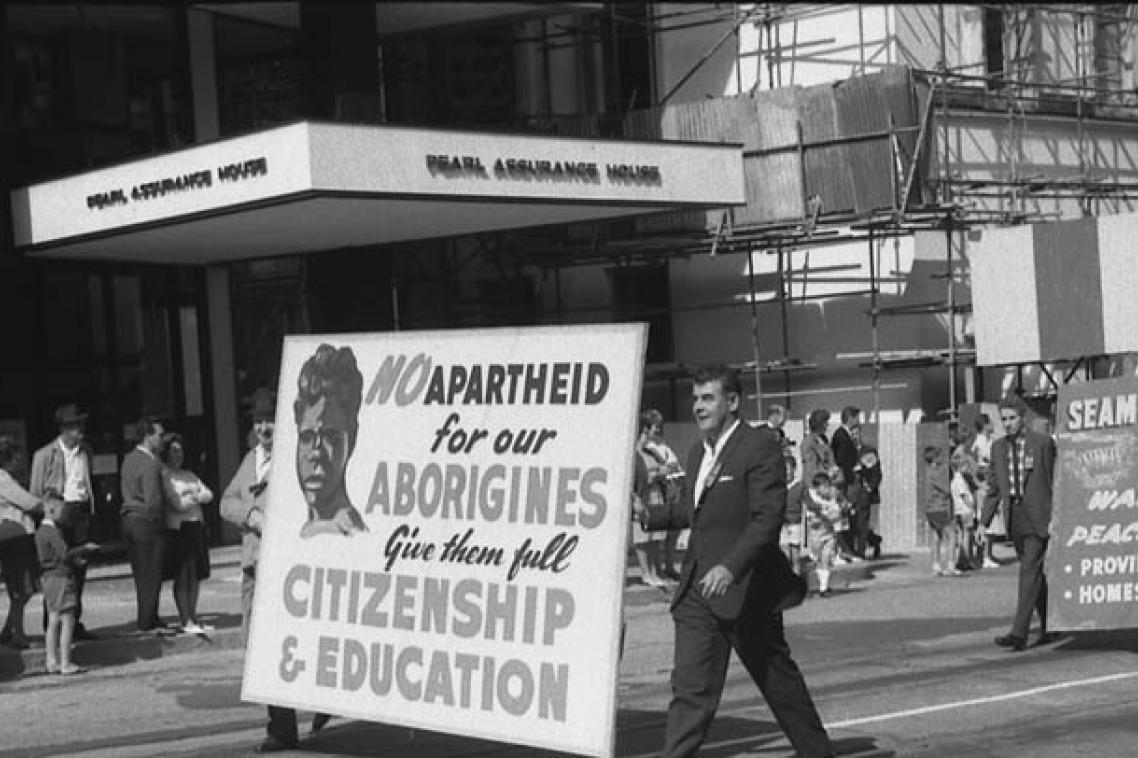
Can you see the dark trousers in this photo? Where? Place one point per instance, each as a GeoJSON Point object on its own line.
{"type": "Point", "coordinates": [702, 652]}
{"type": "Point", "coordinates": [1032, 584]}
{"type": "Point", "coordinates": [859, 530]}
{"type": "Point", "coordinates": [145, 542]}
{"type": "Point", "coordinates": [282, 721]}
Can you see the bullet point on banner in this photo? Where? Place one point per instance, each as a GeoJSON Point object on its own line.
{"type": "Point", "coordinates": [1067, 568]}
{"type": "Point", "coordinates": [1067, 595]}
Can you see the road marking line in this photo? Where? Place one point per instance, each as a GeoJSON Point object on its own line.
{"type": "Point", "coordinates": [922, 711]}
{"type": "Point", "coordinates": [982, 700]}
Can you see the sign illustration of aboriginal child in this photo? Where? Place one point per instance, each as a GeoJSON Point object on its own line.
{"type": "Point", "coordinates": [327, 406]}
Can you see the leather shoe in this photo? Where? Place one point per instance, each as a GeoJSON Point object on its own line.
{"type": "Point", "coordinates": [274, 745]}
{"type": "Point", "coordinates": [319, 721]}
{"type": "Point", "coordinates": [1017, 644]}
{"type": "Point", "coordinates": [1046, 638]}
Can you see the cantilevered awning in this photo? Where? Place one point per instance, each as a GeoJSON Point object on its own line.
{"type": "Point", "coordinates": [315, 186]}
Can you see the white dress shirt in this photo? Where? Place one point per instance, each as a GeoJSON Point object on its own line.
{"type": "Point", "coordinates": [74, 474]}
{"type": "Point", "coordinates": [710, 456]}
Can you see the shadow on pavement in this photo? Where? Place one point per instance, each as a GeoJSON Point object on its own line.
{"type": "Point", "coordinates": [1118, 640]}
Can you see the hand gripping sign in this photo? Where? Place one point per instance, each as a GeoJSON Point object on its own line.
{"type": "Point", "coordinates": [444, 542]}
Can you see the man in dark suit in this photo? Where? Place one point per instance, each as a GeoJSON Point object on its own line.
{"type": "Point", "coordinates": [844, 445]}
{"type": "Point", "coordinates": [1021, 474]}
{"type": "Point", "coordinates": [735, 581]}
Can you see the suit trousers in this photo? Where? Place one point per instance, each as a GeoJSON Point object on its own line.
{"type": "Point", "coordinates": [1032, 583]}
{"type": "Point", "coordinates": [282, 721]}
{"type": "Point", "coordinates": [702, 651]}
{"type": "Point", "coordinates": [145, 541]}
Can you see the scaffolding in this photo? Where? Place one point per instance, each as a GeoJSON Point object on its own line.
{"type": "Point", "coordinates": [1020, 69]}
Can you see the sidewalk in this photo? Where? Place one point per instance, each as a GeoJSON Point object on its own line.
{"type": "Point", "coordinates": [109, 609]}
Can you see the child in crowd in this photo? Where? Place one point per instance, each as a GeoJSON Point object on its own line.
{"type": "Point", "coordinates": [938, 512]}
{"type": "Point", "coordinates": [823, 505]}
{"type": "Point", "coordinates": [791, 537]}
{"type": "Point", "coordinates": [964, 508]}
{"type": "Point", "coordinates": [58, 563]}
{"type": "Point", "coordinates": [864, 497]}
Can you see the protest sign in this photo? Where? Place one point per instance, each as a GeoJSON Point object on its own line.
{"type": "Point", "coordinates": [445, 537]}
{"type": "Point", "coordinates": [1092, 567]}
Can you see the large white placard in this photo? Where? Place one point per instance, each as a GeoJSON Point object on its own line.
{"type": "Point", "coordinates": [450, 555]}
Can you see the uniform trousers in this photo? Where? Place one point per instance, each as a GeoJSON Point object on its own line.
{"type": "Point", "coordinates": [703, 647]}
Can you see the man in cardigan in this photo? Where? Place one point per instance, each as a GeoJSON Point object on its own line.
{"type": "Point", "coordinates": [61, 471]}
{"type": "Point", "coordinates": [1021, 472]}
{"type": "Point", "coordinates": [735, 581]}
{"type": "Point", "coordinates": [144, 520]}
{"type": "Point", "coordinates": [243, 505]}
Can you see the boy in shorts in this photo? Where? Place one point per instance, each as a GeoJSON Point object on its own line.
{"type": "Point", "coordinates": [60, 565]}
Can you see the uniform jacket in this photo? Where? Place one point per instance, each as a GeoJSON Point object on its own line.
{"type": "Point", "coordinates": [244, 509]}
{"type": "Point", "coordinates": [1032, 515]}
{"type": "Point", "coordinates": [737, 524]}
{"type": "Point", "coordinates": [47, 475]}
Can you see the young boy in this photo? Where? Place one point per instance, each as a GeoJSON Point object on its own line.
{"type": "Point", "coordinates": [938, 512]}
{"type": "Point", "coordinates": [823, 513]}
{"type": "Point", "coordinates": [59, 565]}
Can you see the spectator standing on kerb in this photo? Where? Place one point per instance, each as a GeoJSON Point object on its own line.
{"type": "Point", "coordinates": [647, 543]}
{"type": "Point", "coordinates": [844, 444]}
{"type": "Point", "coordinates": [665, 475]}
{"type": "Point", "coordinates": [59, 563]}
{"type": "Point", "coordinates": [939, 512]}
{"type": "Point", "coordinates": [19, 565]}
{"type": "Point", "coordinates": [791, 539]}
{"type": "Point", "coordinates": [61, 470]}
{"type": "Point", "coordinates": [189, 548]}
{"type": "Point", "coordinates": [982, 453]}
{"type": "Point", "coordinates": [144, 520]}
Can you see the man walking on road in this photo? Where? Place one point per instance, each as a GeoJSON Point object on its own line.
{"type": "Point", "coordinates": [61, 472]}
{"type": "Point", "coordinates": [735, 581]}
{"type": "Point", "coordinates": [243, 505]}
{"type": "Point", "coordinates": [1021, 474]}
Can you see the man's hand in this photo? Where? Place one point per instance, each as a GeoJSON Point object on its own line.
{"type": "Point", "coordinates": [715, 582]}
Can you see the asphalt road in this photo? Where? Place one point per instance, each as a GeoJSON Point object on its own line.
{"type": "Point", "coordinates": [902, 664]}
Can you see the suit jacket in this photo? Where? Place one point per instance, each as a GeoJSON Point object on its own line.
{"type": "Point", "coordinates": [47, 475]}
{"type": "Point", "coordinates": [737, 524]}
{"type": "Point", "coordinates": [1032, 515]}
{"type": "Point", "coordinates": [845, 454]}
{"type": "Point", "coordinates": [240, 507]}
